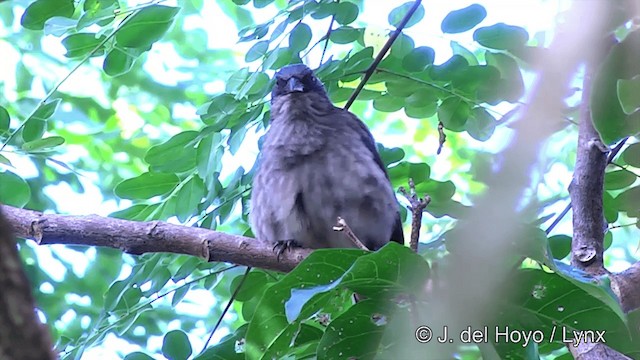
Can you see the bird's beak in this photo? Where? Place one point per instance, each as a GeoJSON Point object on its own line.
{"type": "Point", "coordinates": [294, 85]}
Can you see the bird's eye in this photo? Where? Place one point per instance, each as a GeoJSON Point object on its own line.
{"type": "Point", "coordinates": [280, 82]}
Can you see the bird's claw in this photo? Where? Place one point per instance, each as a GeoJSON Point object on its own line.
{"type": "Point", "coordinates": [282, 245]}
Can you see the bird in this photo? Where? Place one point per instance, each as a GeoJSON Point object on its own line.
{"type": "Point", "coordinates": [319, 162]}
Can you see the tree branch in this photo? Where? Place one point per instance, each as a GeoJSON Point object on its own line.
{"type": "Point", "coordinates": [382, 53]}
{"type": "Point", "coordinates": [22, 336]}
{"type": "Point", "coordinates": [148, 237]}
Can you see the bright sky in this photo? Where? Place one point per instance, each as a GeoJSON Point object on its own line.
{"type": "Point", "coordinates": [535, 16]}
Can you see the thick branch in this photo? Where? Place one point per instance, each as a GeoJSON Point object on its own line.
{"type": "Point", "coordinates": [22, 336]}
{"type": "Point", "coordinates": [587, 188]}
{"type": "Point", "coordinates": [145, 237]}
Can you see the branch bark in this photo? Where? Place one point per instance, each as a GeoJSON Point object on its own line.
{"type": "Point", "coordinates": [586, 190]}
{"type": "Point", "coordinates": [149, 237]}
{"type": "Point", "coordinates": [587, 187]}
{"type": "Point", "coordinates": [22, 335]}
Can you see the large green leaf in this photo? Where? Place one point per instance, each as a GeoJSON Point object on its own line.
{"type": "Point", "coordinates": [396, 15]}
{"type": "Point", "coordinates": [462, 20]}
{"type": "Point", "coordinates": [607, 113]}
{"type": "Point", "coordinates": [38, 12]}
{"type": "Point", "coordinates": [146, 186]}
{"type": "Point", "coordinates": [146, 26]}
{"type": "Point", "coordinates": [80, 44]}
{"type": "Point", "coordinates": [14, 190]}
{"type": "Point", "coordinates": [631, 155]}
{"type": "Point", "coordinates": [501, 36]}
{"type": "Point", "coordinates": [177, 154]}
{"type": "Point", "coordinates": [176, 345]}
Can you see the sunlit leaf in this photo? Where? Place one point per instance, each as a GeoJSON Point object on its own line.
{"type": "Point", "coordinates": [146, 186]}
{"type": "Point", "coordinates": [462, 20]}
{"type": "Point", "coordinates": [146, 26]}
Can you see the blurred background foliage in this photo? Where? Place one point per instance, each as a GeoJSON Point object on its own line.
{"type": "Point", "coordinates": [130, 109]}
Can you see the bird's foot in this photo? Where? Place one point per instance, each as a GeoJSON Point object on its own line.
{"type": "Point", "coordinates": [282, 245]}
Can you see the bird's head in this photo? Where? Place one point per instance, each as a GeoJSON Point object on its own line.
{"type": "Point", "coordinates": [297, 78]}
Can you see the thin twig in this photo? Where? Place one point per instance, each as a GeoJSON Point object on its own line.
{"type": "Point", "coordinates": [226, 308]}
{"type": "Point", "coordinates": [341, 225]}
{"type": "Point", "coordinates": [417, 207]}
{"type": "Point", "coordinates": [326, 44]}
{"type": "Point", "coordinates": [382, 53]}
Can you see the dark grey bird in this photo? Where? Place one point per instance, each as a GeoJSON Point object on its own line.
{"type": "Point", "coordinates": [319, 162]}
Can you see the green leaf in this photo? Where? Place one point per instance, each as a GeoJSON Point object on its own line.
{"type": "Point", "coordinates": [402, 46]}
{"type": "Point", "coordinates": [101, 12]}
{"type": "Point", "coordinates": [159, 278]}
{"type": "Point", "coordinates": [300, 37]}
{"type": "Point", "coordinates": [14, 191]}
{"type": "Point", "coordinates": [45, 143]}
{"type": "Point", "coordinates": [261, 3]}
{"type": "Point", "coordinates": [396, 15]}
{"type": "Point", "coordinates": [464, 52]}
{"type": "Point", "coordinates": [176, 345]}
{"type": "Point", "coordinates": [345, 35]}
{"type": "Point", "coordinates": [629, 200]}
{"type": "Point", "coordinates": [58, 26]}
{"type": "Point", "coordinates": [146, 27]}
{"type": "Point", "coordinates": [454, 113]}
{"type": "Point", "coordinates": [400, 173]}
{"type": "Point", "coordinates": [189, 197]}
{"type": "Point", "coordinates": [511, 84]}
{"type": "Point", "coordinates": [462, 20]}
{"type": "Point", "coordinates": [81, 44]}
{"type": "Point", "coordinates": [618, 179]}
{"type": "Point", "coordinates": [356, 333]}
{"type": "Point", "coordinates": [146, 186]}
{"type": "Point", "coordinates": [257, 51]}
{"type": "Point", "coordinates": [501, 36]}
{"type": "Point", "coordinates": [38, 12]}
{"type": "Point", "coordinates": [390, 271]}
{"type": "Point", "coordinates": [481, 124]}
{"type": "Point", "coordinates": [179, 294]}
{"type": "Point", "coordinates": [628, 91]}
{"type": "Point", "coordinates": [346, 13]}
{"type": "Point", "coordinates": [187, 267]}
{"type": "Point", "coordinates": [253, 286]}
{"type": "Point", "coordinates": [550, 302]}
{"type": "Point", "coordinates": [418, 59]}
{"type": "Point", "coordinates": [359, 61]}
{"type": "Point", "coordinates": [607, 113]}
{"type": "Point", "coordinates": [421, 104]}
{"type": "Point", "coordinates": [388, 103]}
{"type": "Point", "coordinates": [119, 61]}
{"type": "Point", "coordinates": [177, 154]}
{"type": "Point", "coordinates": [390, 156]}
{"type": "Point", "coordinates": [5, 119]}
{"type": "Point", "coordinates": [46, 110]}
{"type": "Point", "coordinates": [631, 155]}
{"type": "Point", "coordinates": [560, 246]}
{"type": "Point", "coordinates": [33, 129]}
{"type": "Point", "coordinates": [231, 347]}
{"type": "Point", "coordinates": [137, 356]}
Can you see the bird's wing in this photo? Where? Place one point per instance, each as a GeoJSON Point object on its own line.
{"type": "Point", "coordinates": [365, 136]}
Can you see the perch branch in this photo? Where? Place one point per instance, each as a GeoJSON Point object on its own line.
{"type": "Point", "coordinates": [137, 238]}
